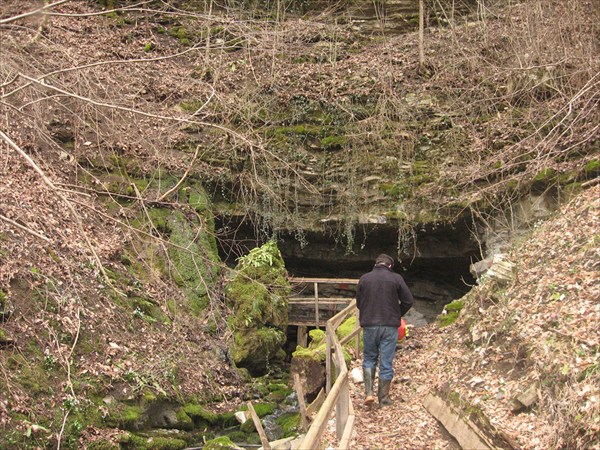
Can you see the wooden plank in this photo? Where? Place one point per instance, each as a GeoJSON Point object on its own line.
{"type": "Point", "coordinates": [317, 304]}
{"type": "Point", "coordinates": [344, 442]}
{"type": "Point", "coordinates": [261, 432]}
{"type": "Point", "coordinates": [355, 332]}
{"type": "Point", "coordinates": [311, 300]}
{"type": "Point", "coordinates": [462, 429]}
{"type": "Point", "coordinates": [302, 337]}
{"type": "Point", "coordinates": [357, 328]}
{"type": "Point", "coordinates": [341, 316]}
{"type": "Point", "coordinates": [324, 280]}
{"type": "Point", "coordinates": [327, 360]}
{"type": "Point", "coordinates": [301, 402]}
{"type": "Point", "coordinates": [342, 409]}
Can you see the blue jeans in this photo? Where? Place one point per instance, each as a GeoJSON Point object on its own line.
{"type": "Point", "coordinates": [379, 345]}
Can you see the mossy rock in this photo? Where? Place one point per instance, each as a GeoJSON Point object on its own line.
{"type": "Point", "coordinates": [258, 295]}
{"type": "Point", "coordinates": [102, 444]}
{"type": "Point", "coordinates": [254, 348]}
{"type": "Point", "coordinates": [248, 426]}
{"type": "Point", "coordinates": [451, 312]}
{"type": "Point", "coordinates": [194, 253]}
{"type": "Point", "coordinates": [237, 436]}
{"type": "Point", "coordinates": [134, 442]}
{"type": "Point", "coordinates": [543, 179]}
{"type": "Point", "coordinates": [263, 409]}
{"type": "Point", "coordinates": [592, 168]}
{"type": "Point", "coordinates": [127, 417]}
{"type": "Point", "coordinates": [279, 396]}
{"type": "Point", "coordinates": [220, 443]}
{"type": "Point", "coordinates": [289, 423]}
{"type": "Point", "coordinates": [200, 413]}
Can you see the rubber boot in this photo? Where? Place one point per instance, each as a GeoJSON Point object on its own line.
{"type": "Point", "coordinates": [369, 376]}
{"type": "Point", "coordinates": [383, 393]}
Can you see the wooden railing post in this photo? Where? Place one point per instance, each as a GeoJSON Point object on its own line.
{"type": "Point", "coordinates": [357, 339]}
{"type": "Point", "coordinates": [316, 303]}
{"type": "Point", "coordinates": [342, 409]}
{"type": "Point", "coordinates": [327, 360]}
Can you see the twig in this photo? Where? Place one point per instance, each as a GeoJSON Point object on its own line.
{"type": "Point", "coordinates": [32, 13]}
{"type": "Point", "coordinates": [24, 228]}
{"type": "Point", "coordinates": [182, 179]}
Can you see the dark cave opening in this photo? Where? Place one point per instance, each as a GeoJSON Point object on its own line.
{"type": "Point", "coordinates": [434, 262]}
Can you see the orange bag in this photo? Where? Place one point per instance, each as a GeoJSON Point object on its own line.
{"type": "Point", "coordinates": [402, 330]}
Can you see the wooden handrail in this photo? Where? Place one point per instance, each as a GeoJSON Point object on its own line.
{"type": "Point", "coordinates": [324, 280]}
{"type": "Point", "coordinates": [339, 394]}
{"type": "Point", "coordinates": [315, 299]}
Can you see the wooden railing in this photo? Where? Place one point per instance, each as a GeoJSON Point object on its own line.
{"type": "Point", "coordinates": [339, 394]}
{"type": "Point", "coordinates": [299, 307]}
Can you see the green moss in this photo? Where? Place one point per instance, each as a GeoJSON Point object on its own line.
{"type": "Point", "coordinates": [237, 436]}
{"type": "Point", "coordinates": [567, 177]}
{"type": "Point", "coordinates": [279, 396]}
{"type": "Point", "coordinates": [191, 106]}
{"type": "Point", "coordinates": [451, 313]}
{"type": "Point", "coordinates": [124, 416]}
{"type": "Point", "coordinates": [184, 421]}
{"type": "Point", "coordinates": [545, 175]}
{"type": "Point", "coordinates": [289, 423]}
{"type": "Point", "coordinates": [181, 34]}
{"type": "Point", "coordinates": [147, 310]}
{"type": "Point", "coordinates": [592, 167]}
{"type": "Point", "coordinates": [193, 255]}
{"type": "Point", "coordinates": [264, 409]}
{"type": "Point", "coordinates": [573, 188]}
{"type": "Point", "coordinates": [248, 426]}
{"type": "Point", "coordinates": [316, 347]}
{"type": "Point", "coordinates": [196, 411]}
{"type": "Point", "coordinates": [333, 142]}
{"type": "Point", "coordinates": [149, 47]}
{"type": "Point", "coordinates": [131, 414]}
{"type": "Point", "coordinates": [227, 419]}
{"type": "Point", "coordinates": [134, 442]}
{"type": "Point", "coordinates": [102, 444]}
{"type": "Point", "coordinates": [220, 443]}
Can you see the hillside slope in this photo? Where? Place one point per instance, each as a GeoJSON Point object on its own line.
{"type": "Point", "coordinates": [125, 131]}
{"type": "Point", "coordinates": [540, 330]}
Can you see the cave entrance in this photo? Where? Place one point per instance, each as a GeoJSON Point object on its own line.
{"type": "Point", "coordinates": [434, 260]}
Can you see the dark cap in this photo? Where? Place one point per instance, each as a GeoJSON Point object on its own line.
{"type": "Point", "coordinates": [385, 259]}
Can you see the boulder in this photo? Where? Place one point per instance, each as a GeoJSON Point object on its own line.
{"type": "Point", "coordinates": [258, 295]}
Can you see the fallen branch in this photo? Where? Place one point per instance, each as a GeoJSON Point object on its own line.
{"type": "Point", "coordinates": [24, 228]}
{"type": "Point", "coordinates": [32, 13]}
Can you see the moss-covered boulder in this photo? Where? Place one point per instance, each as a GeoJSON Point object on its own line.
{"type": "Point", "coordinates": [258, 296]}
{"type": "Point", "coordinates": [221, 443]}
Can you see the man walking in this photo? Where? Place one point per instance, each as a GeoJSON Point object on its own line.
{"type": "Point", "coordinates": [382, 298]}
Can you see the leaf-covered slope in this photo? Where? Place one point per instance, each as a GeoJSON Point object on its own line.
{"type": "Point", "coordinates": [540, 330]}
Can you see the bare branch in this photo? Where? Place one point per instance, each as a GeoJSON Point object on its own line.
{"type": "Point", "coordinates": [174, 188]}
{"type": "Point", "coordinates": [32, 13]}
{"type": "Point", "coordinates": [24, 228]}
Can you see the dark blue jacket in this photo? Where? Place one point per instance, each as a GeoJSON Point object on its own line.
{"type": "Point", "coordinates": [382, 297]}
